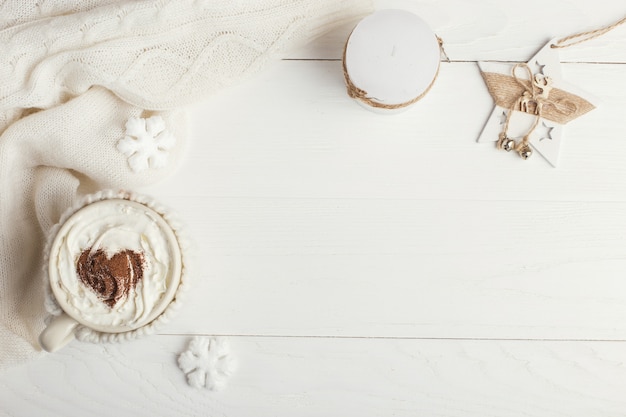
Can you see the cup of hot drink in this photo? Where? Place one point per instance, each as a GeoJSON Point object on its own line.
{"type": "Point", "coordinates": [114, 268]}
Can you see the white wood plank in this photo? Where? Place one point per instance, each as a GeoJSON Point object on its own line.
{"type": "Point", "coordinates": [491, 30]}
{"type": "Point", "coordinates": [406, 268]}
{"type": "Point", "coordinates": [293, 132]}
{"type": "Point", "coordinates": [320, 218]}
{"type": "Point", "coordinates": [313, 377]}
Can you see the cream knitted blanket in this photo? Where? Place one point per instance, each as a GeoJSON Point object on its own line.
{"type": "Point", "coordinates": [79, 83]}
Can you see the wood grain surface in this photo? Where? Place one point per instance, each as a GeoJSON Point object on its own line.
{"type": "Point", "coordinates": [372, 265]}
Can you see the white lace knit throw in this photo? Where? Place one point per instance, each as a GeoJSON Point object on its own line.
{"type": "Point", "coordinates": [72, 74]}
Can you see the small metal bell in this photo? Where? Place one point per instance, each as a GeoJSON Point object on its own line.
{"type": "Point", "coordinates": [508, 144]}
{"type": "Point", "coordinates": [525, 152]}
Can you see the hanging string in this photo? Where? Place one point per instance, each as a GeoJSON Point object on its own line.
{"type": "Point", "coordinates": [534, 99]}
{"type": "Point", "coordinates": [585, 36]}
{"type": "Point", "coordinates": [533, 95]}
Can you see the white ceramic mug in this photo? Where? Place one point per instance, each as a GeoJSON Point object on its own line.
{"type": "Point", "coordinates": [114, 266]}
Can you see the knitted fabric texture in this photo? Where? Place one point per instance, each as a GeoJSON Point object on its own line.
{"type": "Point", "coordinates": [72, 74]}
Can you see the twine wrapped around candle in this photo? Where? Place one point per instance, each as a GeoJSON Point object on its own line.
{"type": "Point", "coordinates": [362, 95]}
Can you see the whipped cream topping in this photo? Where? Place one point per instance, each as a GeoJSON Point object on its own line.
{"type": "Point", "coordinates": [110, 230]}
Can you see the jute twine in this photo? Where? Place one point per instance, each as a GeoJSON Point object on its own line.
{"type": "Point", "coordinates": [581, 37]}
{"type": "Point", "coordinates": [361, 95]}
{"type": "Point", "coordinates": [537, 99]}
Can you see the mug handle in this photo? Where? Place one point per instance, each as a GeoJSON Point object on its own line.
{"type": "Point", "coordinates": [58, 333]}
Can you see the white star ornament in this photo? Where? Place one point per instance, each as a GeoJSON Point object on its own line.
{"type": "Point", "coordinates": [560, 104]}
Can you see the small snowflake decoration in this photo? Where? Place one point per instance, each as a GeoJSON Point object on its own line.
{"type": "Point", "coordinates": [146, 143]}
{"type": "Point", "coordinates": [207, 362]}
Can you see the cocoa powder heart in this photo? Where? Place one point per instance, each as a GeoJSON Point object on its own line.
{"type": "Point", "coordinates": [111, 278]}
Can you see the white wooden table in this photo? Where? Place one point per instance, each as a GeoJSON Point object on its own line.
{"type": "Point", "coordinates": [371, 265]}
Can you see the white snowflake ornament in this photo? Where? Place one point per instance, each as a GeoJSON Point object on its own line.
{"type": "Point", "coordinates": [146, 143]}
{"type": "Point", "coordinates": [207, 362]}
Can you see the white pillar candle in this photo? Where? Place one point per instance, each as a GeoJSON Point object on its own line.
{"type": "Point", "coordinates": [391, 60]}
